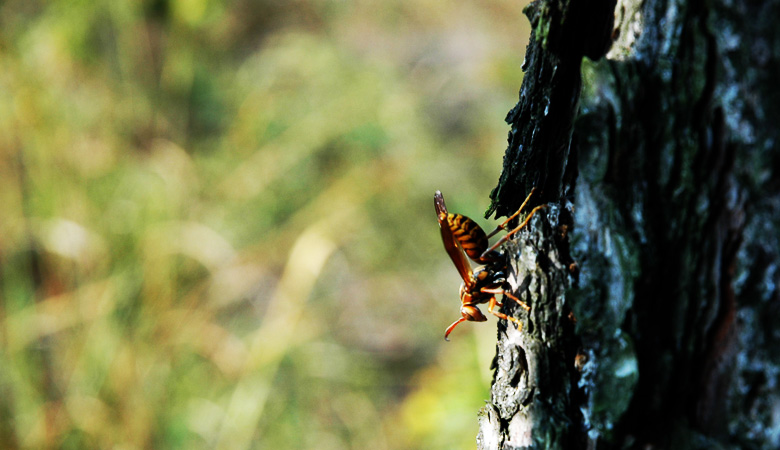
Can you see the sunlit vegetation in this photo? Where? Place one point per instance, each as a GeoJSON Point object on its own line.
{"type": "Point", "coordinates": [217, 223]}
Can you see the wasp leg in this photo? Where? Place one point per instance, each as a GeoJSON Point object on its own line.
{"type": "Point", "coordinates": [503, 225]}
{"type": "Point", "coordinates": [511, 233]}
{"type": "Point", "coordinates": [493, 303]}
{"type": "Point", "coordinates": [523, 304]}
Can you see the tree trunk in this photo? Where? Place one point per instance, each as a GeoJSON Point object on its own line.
{"type": "Point", "coordinates": [660, 234]}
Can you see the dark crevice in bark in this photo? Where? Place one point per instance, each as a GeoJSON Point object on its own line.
{"type": "Point", "coordinates": [677, 290]}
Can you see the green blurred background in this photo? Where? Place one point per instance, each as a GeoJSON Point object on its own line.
{"type": "Point", "coordinates": [217, 220]}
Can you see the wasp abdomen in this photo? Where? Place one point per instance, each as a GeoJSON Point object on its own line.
{"type": "Point", "coordinates": [469, 235]}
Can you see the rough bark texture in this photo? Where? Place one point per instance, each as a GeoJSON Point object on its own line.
{"type": "Point", "coordinates": [534, 380]}
{"type": "Point", "coordinates": [535, 399]}
{"type": "Point", "coordinates": [665, 178]}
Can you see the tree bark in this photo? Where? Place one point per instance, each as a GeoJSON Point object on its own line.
{"type": "Point", "coordinates": [661, 182]}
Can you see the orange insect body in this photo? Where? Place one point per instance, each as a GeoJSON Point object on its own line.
{"type": "Point", "coordinates": [462, 235]}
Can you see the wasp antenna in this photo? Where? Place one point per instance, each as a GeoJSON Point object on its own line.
{"type": "Point", "coordinates": [452, 327]}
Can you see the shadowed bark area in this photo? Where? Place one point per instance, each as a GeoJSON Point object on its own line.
{"type": "Point", "coordinates": [661, 182]}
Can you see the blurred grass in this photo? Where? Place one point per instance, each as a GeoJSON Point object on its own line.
{"type": "Point", "coordinates": [217, 229]}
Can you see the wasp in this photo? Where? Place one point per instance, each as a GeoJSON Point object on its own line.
{"type": "Point", "coordinates": [462, 236]}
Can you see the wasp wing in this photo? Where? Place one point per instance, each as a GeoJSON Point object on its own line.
{"type": "Point", "coordinates": [450, 242]}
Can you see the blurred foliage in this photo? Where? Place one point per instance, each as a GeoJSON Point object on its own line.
{"type": "Point", "coordinates": [217, 224]}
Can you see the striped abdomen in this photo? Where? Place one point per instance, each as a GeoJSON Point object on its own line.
{"type": "Point", "coordinates": [469, 235]}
